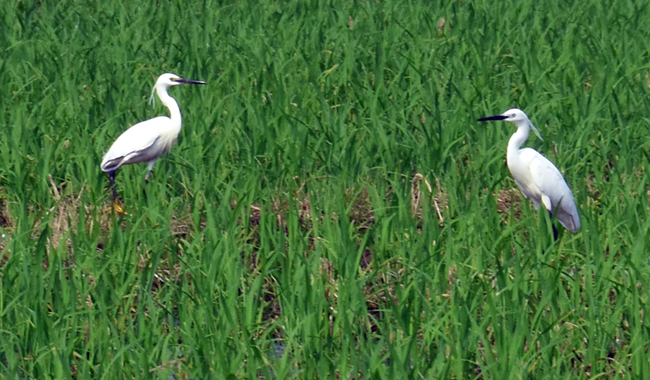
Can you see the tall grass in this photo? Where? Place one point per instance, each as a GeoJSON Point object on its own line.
{"type": "Point", "coordinates": [277, 239]}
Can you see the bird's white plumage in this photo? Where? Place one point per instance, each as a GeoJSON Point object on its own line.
{"type": "Point", "coordinates": [538, 179]}
{"type": "Point", "coordinates": [543, 183]}
{"type": "Point", "coordinates": [140, 143]}
{"type": "Point", "coordinates": [147, 140]}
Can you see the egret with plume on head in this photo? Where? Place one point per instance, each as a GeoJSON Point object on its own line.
{"type": "Point", "coordinates": [149, 139]}
{"type": "Point", "coordinates": [538, 179]}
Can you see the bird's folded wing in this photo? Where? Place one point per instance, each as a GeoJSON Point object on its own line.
{"type": "Point", "coordinates": [551, 183]}
{"type": "Point", "coordinates": [133, 142]}
{"type": "Point", "coordinates": [549, 180]}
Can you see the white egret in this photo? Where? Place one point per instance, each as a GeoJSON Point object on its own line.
{"type": "Point", "coordinates": [149, 139]}
{"type": "Point", "coordinates": [538, 179]}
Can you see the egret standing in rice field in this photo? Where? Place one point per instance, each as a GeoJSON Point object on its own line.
{"type": "Point", "coordinates": [538, 179]}
{"type": "Point", "coordinates": [149, 139]}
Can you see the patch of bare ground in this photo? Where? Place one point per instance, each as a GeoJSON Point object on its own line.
{"type": "Point", "coordinates": [379, 291]}
{"type": "Point", "coordinates": [182, 224]}
{"type": "Point", "coordinates": [507, 199]}
{"type": "Point", "coordinates": [362, 215]}
{"type": "Point", "coordinates": [65, 211]}
{"type": "Point", "coordinates": [7, 224]}
{"type": "Point", "coordinates": [62, 218]}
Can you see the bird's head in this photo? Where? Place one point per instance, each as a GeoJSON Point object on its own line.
{"type": "Point", "coordinates": [168, 80]}
{"type": "Point", "coordinates": [515, 116]}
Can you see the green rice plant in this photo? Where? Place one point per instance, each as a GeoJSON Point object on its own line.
{"type": "Point", "coordinates": [281, 237]}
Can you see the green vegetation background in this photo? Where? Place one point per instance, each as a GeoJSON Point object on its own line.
{"type": "Point", "coordinates": [276, 240]}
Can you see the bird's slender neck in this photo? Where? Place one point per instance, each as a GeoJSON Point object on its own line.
{"type": "Point", "coordinates": [170, 103]}
{"type": "Point", "coordinates": [518, 138]}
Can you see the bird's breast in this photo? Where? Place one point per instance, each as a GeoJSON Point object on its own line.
{"type": "Point", "coordinates": [519, 166]}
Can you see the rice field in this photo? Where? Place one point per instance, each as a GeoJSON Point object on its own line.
{"type": "Point", "coordinates": [331, 209]}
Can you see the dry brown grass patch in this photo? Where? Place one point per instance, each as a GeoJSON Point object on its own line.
{"type": "Point", "coordinates": [439, 201]}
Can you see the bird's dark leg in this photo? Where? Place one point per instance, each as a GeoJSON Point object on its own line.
{"type": "Point", "coordinates": [149, 169]}
{"type": "Point", "coordinates": [144, 189]}
{"type": "Point", "coordinates": [555, 232]}
{"type": "Point", "coordinates": [146, 177]}
{"type": "Point", "coordinates": [116, 204]}
{"type": "Point", "coordinates": [112, 177]}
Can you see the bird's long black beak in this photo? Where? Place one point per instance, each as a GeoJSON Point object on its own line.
{"type": "Point", "coordinates": [189, 81]}
{"type": "Point", "coordinates": [495, 117]}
